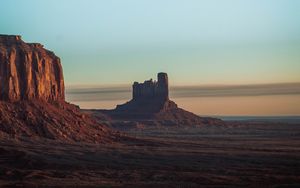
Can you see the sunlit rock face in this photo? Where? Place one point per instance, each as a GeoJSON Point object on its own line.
{"type": "Point", "coordinates": [32, 100]}
{"type": "Point", "coordinates": [28, 71]}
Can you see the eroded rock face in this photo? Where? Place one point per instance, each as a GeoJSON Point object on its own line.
{"type": "Point", "coordinates": [150, 105]}
{"type": "Point", "coordinates": [28, 71]}
{"type": "Point", "coordinates": [149, 96]}
{"type": "Point", "coordinates": [152, 89]}
{"type": "Point", "coordinates": [32, 97]}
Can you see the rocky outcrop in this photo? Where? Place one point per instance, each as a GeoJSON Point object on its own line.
{"type": "Point", "coordinates": [151, 89]}
{"type": "Point", "coordinates": [150, 105]}
{"type": "Point", "coordinates": [32, 97]}
{"type": "Point", "coordinates": [28, 71]}
{"type": "Point", "coordinates": [148, 97]}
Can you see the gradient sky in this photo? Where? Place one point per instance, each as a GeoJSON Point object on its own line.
{"type": "Point", "coordinates": [105, 42]}
{"type": "Point", "coordinates": [108, 43]}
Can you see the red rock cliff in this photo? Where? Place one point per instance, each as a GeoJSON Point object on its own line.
{"type": "Point", "coordinates": [28, 71]}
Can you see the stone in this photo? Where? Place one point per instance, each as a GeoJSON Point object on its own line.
{"type": "Point", "coordinates": [152, 89]}
{"type": "Point", "coordinates": [149, 96]}
{"type": "Point", "coordinates": [28, 71]}
{"type": "Point", "coordinates": [150, 105]}
{"type": "Point", "coordinates": [32, 99]}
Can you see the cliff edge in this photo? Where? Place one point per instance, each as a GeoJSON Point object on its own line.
{"type": "Point", "coordinates": [28, 71]}
{"type": "Point", "coordinates": [32, 97]}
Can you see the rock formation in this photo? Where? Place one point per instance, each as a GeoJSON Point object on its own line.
{"type": "Point", "coordinates": [32, 97]}
{"type": "Point", "coordinates": [152, 89]}
{"type": "Point", "coordinates": [28, 71]}
{"type": "Point", "coordinates": [149, 97]}
{"type": "Point", "coordinates": [150, 104]}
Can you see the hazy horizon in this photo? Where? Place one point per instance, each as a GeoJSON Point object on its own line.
{"type": "Point", "coordinates": [196, 42]}
{"type": "Point", "coordinates": [256, 99]}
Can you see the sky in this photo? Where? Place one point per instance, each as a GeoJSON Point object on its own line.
{"type": "Point", "coordinates": [197, 42]}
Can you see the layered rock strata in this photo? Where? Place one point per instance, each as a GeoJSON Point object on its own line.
{"type": "Point", "coordinates": [32, 97]}
{"type": "Point", "coordinates": [28, 71]}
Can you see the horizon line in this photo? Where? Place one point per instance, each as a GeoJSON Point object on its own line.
{"type": "Point", "coordinates": [124, 92]}
{"type": "Point", "coordinates": [118, 85]}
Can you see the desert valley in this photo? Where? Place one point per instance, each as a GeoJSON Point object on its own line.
{"type": "Point", "coordinates": [149, 141]}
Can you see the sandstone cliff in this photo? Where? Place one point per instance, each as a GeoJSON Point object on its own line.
{"type": "Point", "coordinates": [32, 97]}
{"type": "Point", "coordinates": [28, 71]}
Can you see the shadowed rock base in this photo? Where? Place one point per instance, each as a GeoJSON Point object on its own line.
{"type": "Point", "coordinates": [57, 121]}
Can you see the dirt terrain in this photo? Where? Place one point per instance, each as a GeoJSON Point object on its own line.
{"type": "Point", "coordinates": [236, 155]}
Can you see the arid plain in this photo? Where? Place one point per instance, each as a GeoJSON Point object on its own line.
{"type": "Point", "coordinates": [234, 155]}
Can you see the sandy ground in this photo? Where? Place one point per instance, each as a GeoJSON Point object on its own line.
{"type": "Point", "coordinates": [249, 155]}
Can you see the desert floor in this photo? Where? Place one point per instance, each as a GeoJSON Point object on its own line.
{"type": "Point", "coordinates": [237, 155]}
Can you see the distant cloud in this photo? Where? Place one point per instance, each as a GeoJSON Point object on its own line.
{"type": "Point", "coordinates": [124, 92]}
{"type": "Point", "coordinates": [237, 90]}
{"type": "Point", "coordinates": [98, 93]}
